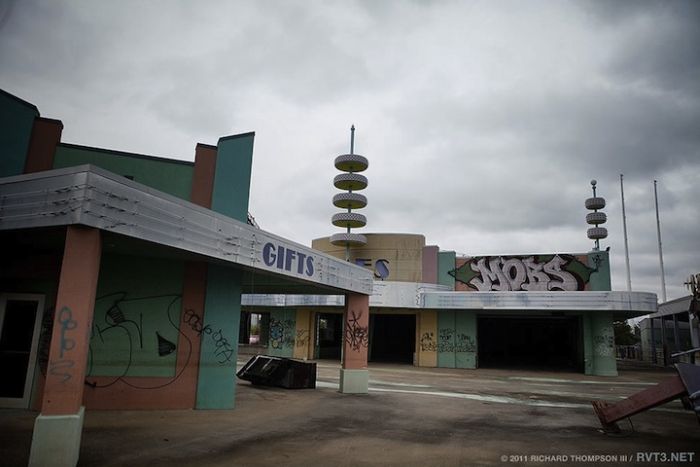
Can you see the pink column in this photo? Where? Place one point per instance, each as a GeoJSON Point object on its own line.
{"type": "Point", "coordinates": [65, 377]}
{"type": "Point", "coordinates": [58, 429]}
{"type": "Point", "coordinates": [354, 378]}
{"type": "Point", "coordinates": [356, 329]}
{"type": "Point", "coordinates": [46, 134]}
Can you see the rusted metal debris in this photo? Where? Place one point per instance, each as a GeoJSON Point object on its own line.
{"type": "Point", "coordinates": [686, 385]}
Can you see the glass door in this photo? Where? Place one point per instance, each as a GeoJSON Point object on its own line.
{"type": "Point", "coordinates": [20, 320]}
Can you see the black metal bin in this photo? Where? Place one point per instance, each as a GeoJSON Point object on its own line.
{"type": "Point", "coordinates": [266, 370]}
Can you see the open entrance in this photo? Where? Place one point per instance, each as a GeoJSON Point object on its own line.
{"type": "Point", "coordinates": [537, 342]}
{"type": "Point", "coordinates": [392, 338]}
{"type": "Point", "coordinates": [20, 320]}
{"type": "Point", "coordinates": [254, 328]}
{"type": "Point", "coordinates": [329, 335]}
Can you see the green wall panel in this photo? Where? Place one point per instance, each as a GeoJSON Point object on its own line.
{"type": "Point", "coordinates": [282, 332]}
{"type": "Point", "coordinates": [135, 331]}
{"type": "Point", "coordinates": [587, 344]}
{"type": "Point", "coordinates": [234, 162]}
{"type": "Point", "coordinates": [16, 123]}
{"type": "Point", "coordinates": [170, 176]}
{"type": "Point", "coordinates": [603, 344]}
{"type": "Point", "coordinates": [600, 280]}
{"type": "Point", "coordinates": [446, 263]}
{"type": "Point", "coordinates": [216, 384]}
{"type": "Point", "coordinates": [465, 339]}
{"type": "Point", "coordinates": [446, 339]}
{"type": "Point", "coordinates": [457, 344]}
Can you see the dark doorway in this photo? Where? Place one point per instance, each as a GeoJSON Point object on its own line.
{"type": "Point", "coordinates": [533, 342]}
{"type": "Point", "coordinates": [19, 327]}
{"type": "Point", "coordinates": [392, 338]}
{"type": "Point", "coordinates": [329, 335]}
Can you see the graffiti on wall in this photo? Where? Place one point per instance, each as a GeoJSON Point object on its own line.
{"type": "Point", "coordinates": [282, 333]}
{"type": "Point", "coordinates": [125, 331]}
{"type": "Point", "coordinates": [356, 335]}
{"type": "Point", "coordinates": [445, 340]}
{"type": "Point", "coordinates": [223, 349]}
{"type": "Point", "coordinates": [451, 341]}
{"type": "Point", "coordinates": [427, 342]}
{"type": "Point", "coordinates": [120, 331]}
{"type": "Point", "coordinates": [464, 343]}
{"type": "Point", "coordinates": [531, 273]}
{"type": "Point", "coordinates": [302, 338]}
{"type": "Point", "coordinates": [604, 344]}
{"type": "Point", "coordinates": [63, 365]}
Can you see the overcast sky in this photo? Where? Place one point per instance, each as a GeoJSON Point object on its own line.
{"type": "Point", "coordinates": [483, 121]}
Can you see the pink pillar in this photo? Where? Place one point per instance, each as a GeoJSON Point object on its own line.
{"type": "Point", "coordinates": [65, 378]}
{"type": "Point", "coordinates": [58, 429]}
{"type": "Point", "coordinates": [354, 377]}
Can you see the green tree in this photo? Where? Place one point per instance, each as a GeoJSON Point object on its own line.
{"type": "Point", "coordinates": [624, 334]}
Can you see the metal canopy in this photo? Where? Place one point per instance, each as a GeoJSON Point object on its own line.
{"type": "Point", "coordinates": [88, 195]}
{"type": "Point", "coordinates": [435, 297]}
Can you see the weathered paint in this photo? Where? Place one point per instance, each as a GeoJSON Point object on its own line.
{"type": "Point", "coordinates": [465, 339]}
{"type": "Point", "coordinates": [65, 380]}
{"type": "Point", "coordinates": [219, 347]}
{"type": "Point", "coordinates": [456, 340]}
{"type": "Point", "coordinates": [390, 257]}
{"type": "Point", "coordinates": [172, 392]}
{"type": "Point", "coordinates": [600, 279]}
{"type": "Point", "coordinates": [234, 162]}
{"type": "Point", "coordinates": [354, 376]}
{"type": "Point", "coordinates": [603, 344]}
{"type": "Point", "coordinates": [427, 338]}
{"type": "Point", "coordinates": [282, 332]}
{"type": "Point", "coordinates": [587, 344]}
{"type": "Point", "coordinates": [46, 135]}
{"type": "Point", "coordinates": [446, 263]}
{"type": "Point", "coordinates": [137, 312]}
{"type": "Point", "coordinates": [549, 272]}
{"type": "Point", "coordinates": [302, 340]}
{"type": "Point", "coordinates": [16, 123]}
{"type": "Point", "coordinates": [446, 339]}
{"type": "Point", "coordinates": [203, 175]}
{"type": "Point", "coordinates": [355, 331]}
{"type": "Point", "coordinates": [430, 264]}
{"type": "Point", "coordinates": [56, 440]}
{"type": "Point", "coordinates": [170, 176]}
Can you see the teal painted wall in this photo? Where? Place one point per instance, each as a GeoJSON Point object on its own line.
{"type": "Point", "coordinates": [600, 280]}
{"type": "Point", "coordinates": [587, 344]}
{"type": "Point", "coordinates": [16, 122]}
{"type": "Point", "coordinates": [446, 339]}
{"type": "Point", "coordinates": [136, 314]}
{"type": "Point", "coordinates": [234, 162]}
{"type": "Point", "coordinates": [282, 332]}
{"type": "Point", "coordinates": [216, 384]}
{"type": "Point", "coordinates": [457, 339]}
{"type": "Point", "coordinates": [602, 344]}
{"type": "Point", "coordinates": [446, 263]}
{"type": "Point", "coordinates": [172, 177]}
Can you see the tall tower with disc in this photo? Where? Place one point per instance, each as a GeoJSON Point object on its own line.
{"type": "Point", "coordinates": [351, 181]}
{"type": "Point", "coordinates": [596, 217]}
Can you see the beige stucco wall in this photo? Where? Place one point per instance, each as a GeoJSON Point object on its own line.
{"type": "Point", "coordinates": [426, 346]}
{"type": "Point", "coordinates": [403, 253]}
{"type": "Point", "coordinates": [304, 331]}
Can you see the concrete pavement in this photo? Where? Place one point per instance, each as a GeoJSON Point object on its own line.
{"type": "Point", "coordinates": [411, 417]}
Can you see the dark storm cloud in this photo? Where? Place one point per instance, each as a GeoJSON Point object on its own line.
{"type": "Point", "coordinates": [483, 121]}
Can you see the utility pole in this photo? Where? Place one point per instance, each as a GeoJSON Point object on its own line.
{"type": "Point", "coordinates": [661, 255]}
{"type": "Point", "coordinates": [624, 232]}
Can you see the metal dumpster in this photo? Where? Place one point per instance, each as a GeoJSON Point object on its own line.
{"type": "Point", "coordinates": [266, 370]}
